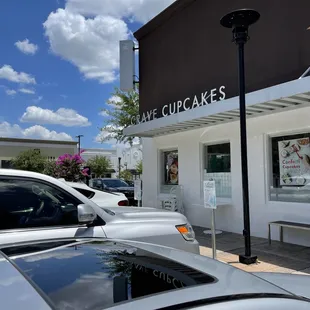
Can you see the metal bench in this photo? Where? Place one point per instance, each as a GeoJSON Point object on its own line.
{"type": "Point", "coordinates": [282, 224]}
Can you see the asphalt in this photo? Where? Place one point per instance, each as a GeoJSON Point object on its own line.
{"type": "Point", "coordinates": [277, 257]}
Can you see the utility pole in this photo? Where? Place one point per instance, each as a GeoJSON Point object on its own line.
{"type": "Point", "coordinates": [79, 139]}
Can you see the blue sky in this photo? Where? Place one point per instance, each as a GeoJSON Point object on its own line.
{"type": "Point", "coordinates": [59, 64]}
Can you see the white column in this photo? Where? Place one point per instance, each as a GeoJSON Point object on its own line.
{"type": "Point", "coordinates": [150, 173]}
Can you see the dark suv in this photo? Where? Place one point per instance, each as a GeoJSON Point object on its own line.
{"type": "Point", "coordinates": [115, 185]}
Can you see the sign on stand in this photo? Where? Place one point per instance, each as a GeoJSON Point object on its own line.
{"type": "Point", "coordinates": [137, 191]}
{"type": "Point", "coordinates": [209, 195]}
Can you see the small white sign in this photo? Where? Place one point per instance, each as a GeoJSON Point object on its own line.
{"type": "Point", "coordinates": [209, 194]}
{"type": "Point", "coordinates": [127, 65]}
{"type": "Point", "coordinates": [137, 190]}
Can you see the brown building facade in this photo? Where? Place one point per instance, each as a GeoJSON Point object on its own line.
{"type": "Point", "coordinates": [185, 51]}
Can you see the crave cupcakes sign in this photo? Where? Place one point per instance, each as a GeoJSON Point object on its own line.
{"type": "Point", "coordinates": [189, 103]}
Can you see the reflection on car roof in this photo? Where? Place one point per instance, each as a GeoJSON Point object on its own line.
{"type": "Point", "coordinates": [87, 275]}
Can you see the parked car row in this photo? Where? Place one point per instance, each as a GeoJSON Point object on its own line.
{"type": "Point", "coordinates": [115, 185]}
{"type": "Point", "coordinates": [103, 198]}
{"type": "Point", "coordinates": [63, 247]}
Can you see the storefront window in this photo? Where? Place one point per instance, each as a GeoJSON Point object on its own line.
{"type": "Point", "coordinates": [171, 168]}
{"type": "Point", "coordinates": [217, 165]}
{"type": "Point", "coordinates": [290, 168]}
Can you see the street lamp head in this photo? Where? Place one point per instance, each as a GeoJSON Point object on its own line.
{"type": "Point", "coordinates": [240, 18]}
{"type": "Point", "coordinates": [239, 21]}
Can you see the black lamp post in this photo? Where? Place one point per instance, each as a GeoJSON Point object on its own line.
{"type": "Point", "coordinates": [119, 167]}
{"type": "Point", "coordinates": [239, 21]}
{"type": "Point", "coordinates": [79, 139]}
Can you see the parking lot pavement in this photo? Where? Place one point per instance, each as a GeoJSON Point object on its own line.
{"type": "Point", "coordinates": [277, 257]}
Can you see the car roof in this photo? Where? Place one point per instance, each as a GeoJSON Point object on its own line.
{"type": "Point", "coordinates": [77, 184]}
{"type": "Point", "coordinates": [227, 279]}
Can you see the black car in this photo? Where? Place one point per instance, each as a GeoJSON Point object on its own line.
{"type": "Point", "coordinates": [115, 185]}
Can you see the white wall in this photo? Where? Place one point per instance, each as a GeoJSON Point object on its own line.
{"type": "Point", "coordinates": [230, 217]}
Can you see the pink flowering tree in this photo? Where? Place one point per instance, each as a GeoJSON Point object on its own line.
{"type": "Point", "coordinates": [68, 167]}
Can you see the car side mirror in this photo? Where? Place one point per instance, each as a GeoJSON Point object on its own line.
{"type": "Point", "coordinates": [86, 214]}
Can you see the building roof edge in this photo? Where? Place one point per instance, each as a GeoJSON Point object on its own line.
{"type": "Point", "coordinates": [161, 18]}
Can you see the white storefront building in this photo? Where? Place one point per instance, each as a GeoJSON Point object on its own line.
{"type": "Point", "coordinates": [204, 139]}
{"type": "Point", "coordinates": [266, 202]}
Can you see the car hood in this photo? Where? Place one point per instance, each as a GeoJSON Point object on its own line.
{"type": "Point", "coordinates": [294, 283]}
{"type": "Point", "coordinates": [147, 214]}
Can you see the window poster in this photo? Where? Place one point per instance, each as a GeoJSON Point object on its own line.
{"type": "Point", "coordinates": [294, 161]}
{"type": "Point", "coordinates": [171, 168]}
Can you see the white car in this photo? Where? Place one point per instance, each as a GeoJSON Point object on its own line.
{"type": "Point", "coordinates": [35, 207]}
{"type": "Point", "coordinates": [102, 198]}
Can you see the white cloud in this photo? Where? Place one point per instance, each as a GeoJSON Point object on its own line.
{"type": "Point", "coordinates": [103, 113]}
{"type": "Point", "coordinates": [10, 92]}
{"type": "Point", "coordinates": [63, 116]}
{"type": "Point", "coordinates": [112, 100]}
{"type": "Point", "coordinates": [26, 47]}
{"type": "Point", "coordinates": [38, 99]}
{"type": "Point", "coordinates": [30, 258]}
{"type": "Point", "coordinates": [27, 91]}
{"type": "Point", "coordinates": [89, 44]}
{"type": "Point", "coordinates": [109, 138]}
{"type": "Point", "coordinates": [87, 32]}
{"type": "Point", "coordinates": [105, 137]}
{"type": "Point", "coordinates": [35, 132]}
{"type": "Point", "coordinates": [138, 10]}
{"type": "Point", "coordinates": [8, 73]}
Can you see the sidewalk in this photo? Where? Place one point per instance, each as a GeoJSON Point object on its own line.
{"type": "Point", "coordinates": [277, 257]}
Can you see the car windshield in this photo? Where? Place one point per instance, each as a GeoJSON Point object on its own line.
{"type": "Point", "coordinates": [99, 274]}
{"type": "Point", "coordinates": [115, 183]}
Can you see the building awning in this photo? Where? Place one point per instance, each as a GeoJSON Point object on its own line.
{"type": "Point", "coordinates": [283, 97]}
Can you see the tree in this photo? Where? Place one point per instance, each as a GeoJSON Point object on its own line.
{"type": "Point", "coordinates": [126, 175]}
{"type": "Point", "coordinates": [30, 160]}
{"type": "Point", "coordinates": [99, 165]}
{"type": "Point", "coordinates": [139, 167]}
{"type": "Point", "coordinates": [125, 108]}
{"type": "Point", "coordinates": [50, 168]}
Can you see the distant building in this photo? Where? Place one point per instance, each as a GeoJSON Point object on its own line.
{"type": "Point", "coordinates": [11, 147]}
{"type": "Point", "coordinates": [108, 153]}
{"type": "Point", "coordinates": [129, 157]}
